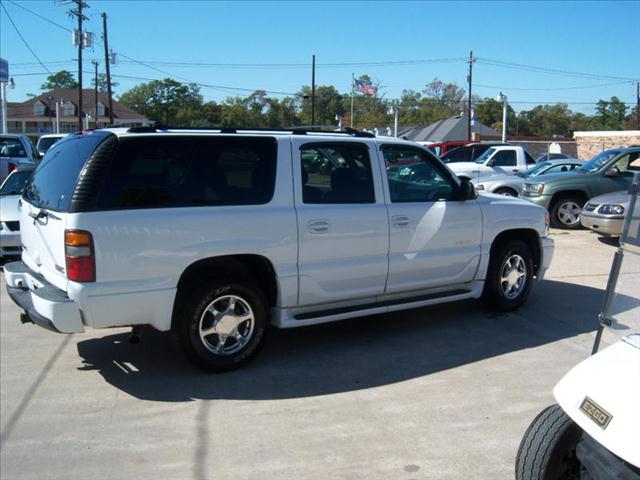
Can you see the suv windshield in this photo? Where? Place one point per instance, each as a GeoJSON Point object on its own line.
{"type": "Point", "coordinates": [14, 184]}
{"type": "Point", "coordinates": [483, 158]}
{"type": "Point", "coordinates": [597, 162]}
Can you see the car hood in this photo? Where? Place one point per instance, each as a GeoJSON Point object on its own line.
{"type": "Point", "coordinates": [620, 198]}
{"type": "Point", "coordinates": [9, 208]}
{"type": "Point", "coordinates": [567, 177]}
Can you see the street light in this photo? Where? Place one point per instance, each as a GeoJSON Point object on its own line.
{"type": "Point", "coordinates": [3, 91]}
{"type": "Point", "coordinates": [394, 110]}
{"type": "Point", "coordinates": [503, 98]}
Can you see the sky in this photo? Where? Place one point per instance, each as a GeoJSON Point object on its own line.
{"type": "Point", "coordinates": [269, 45]}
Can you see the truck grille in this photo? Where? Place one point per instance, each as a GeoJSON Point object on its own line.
{"type": "Point", "coordinates": [13, 226]}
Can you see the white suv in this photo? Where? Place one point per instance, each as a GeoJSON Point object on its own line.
{"type": "Point", "coordinates": [213, 234]}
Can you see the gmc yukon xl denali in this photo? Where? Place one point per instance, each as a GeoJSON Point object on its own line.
{"type": "Point", "coordinates": [215, 234]}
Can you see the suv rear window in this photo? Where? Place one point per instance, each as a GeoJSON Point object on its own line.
{"type": "Point", "coordinates": [54, 180]}
{"type": "Point", "coordinates": [181, 171]}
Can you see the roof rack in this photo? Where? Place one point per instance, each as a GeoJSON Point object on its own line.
{"type": "Point", "coordinates": [294, 130]}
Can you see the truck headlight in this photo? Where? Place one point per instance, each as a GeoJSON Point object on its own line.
{"type": "Point", "coordinates": [611, 209]}
{"type": "Point", "coordinates": [534, 188]}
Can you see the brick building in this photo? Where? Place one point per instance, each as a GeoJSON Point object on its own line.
{"type": "Point", "coordinates": [592, 143]}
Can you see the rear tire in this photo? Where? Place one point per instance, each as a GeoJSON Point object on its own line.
{"type": "Point", "coordinates": [509, 277]}
{"type": "Point", "coordinates": [548, 448]}
{"type": "Point", "coordinates": [565, 212]}
{"type": "Point", "coordinates": [221, 325]}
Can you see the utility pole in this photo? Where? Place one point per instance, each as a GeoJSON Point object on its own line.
{"type": "Point", "coordinates": [95, 100]}
{"type": "Point", "coordinates": [107, 65]}
{"type": "Point", "coordinates": [502, 97]}
{"type": "Point", "coordinates": [469, 81]}
{"type": "Point", "coordinates": [638, 105]}
{"type": "Point", "coordinates": [353, 87]}
{"type": "Point", "coordinates": [79, 38]}
{"type": "Point", "coordinates": [313, 92]}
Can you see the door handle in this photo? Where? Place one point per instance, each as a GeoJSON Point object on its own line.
{"type": "Point", "coordinates": [400, 221]}
{"type": "Point", "coordinates": [318, 226]}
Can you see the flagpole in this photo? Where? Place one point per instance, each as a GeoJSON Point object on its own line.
{"type": "Point", "coordinates": [353, 83]}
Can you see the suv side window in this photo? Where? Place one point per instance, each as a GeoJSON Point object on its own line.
{"type": "Point", "coordinates": [181, 171]}
{"type": "Point", "coordinates": [336, 173]}
{"type": "Point", "coordinates": [504, 158]}
{"type": "Point", "coordinates": [416, 178]}
{"type": "Point", "coordinates": [628, 164]}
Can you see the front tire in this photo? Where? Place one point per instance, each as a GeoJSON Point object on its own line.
{"type": "Point", "coordinates": [222, 324]}
{"type": "Point", "coordinates": [548, 448]}
{"type": "Point", "coordinates": [509, 277]}
{"type": "Point", "coordinates": [565, 212]}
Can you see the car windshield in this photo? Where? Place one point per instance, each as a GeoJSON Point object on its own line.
{"type": "Point", "coordinates": [597, 162]}
{"type": "Point", "coordinates": [537, 170]}
{"type": "Point", "coordinates": [14, 184]}
{"type": "Point", "coordinates": [44, 144]}
{"type": "Point", "coordinates": [483, 158]}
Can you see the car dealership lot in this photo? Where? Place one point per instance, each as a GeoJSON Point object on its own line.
{"type": "Point", "coordinates": [433, 393]}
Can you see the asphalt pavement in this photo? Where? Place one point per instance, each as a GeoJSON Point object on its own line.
{"type": "Point", "coordinates": [435, 393]}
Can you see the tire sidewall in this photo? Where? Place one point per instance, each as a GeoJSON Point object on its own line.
{"type": "Point", "coordinates": [494, 290]}
{"type": "Point", "coordinates": [190, 321]}
{"type": "Point", "coordinates": [556, 209]}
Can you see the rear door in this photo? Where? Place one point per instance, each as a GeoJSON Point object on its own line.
{"type": "Point", "coordinates": [45, 205]}
{"type": "Point", "coordinates": [343, 228]}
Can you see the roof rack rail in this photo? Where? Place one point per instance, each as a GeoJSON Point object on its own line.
{"type": "Point", "coordinates": [292, 130]}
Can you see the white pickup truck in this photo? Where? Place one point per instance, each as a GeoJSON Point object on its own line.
{"type": "Point", "coordinates": [509, 159]}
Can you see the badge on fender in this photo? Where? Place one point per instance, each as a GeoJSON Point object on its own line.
{"type": "Point", "coordinates": [595, 412]}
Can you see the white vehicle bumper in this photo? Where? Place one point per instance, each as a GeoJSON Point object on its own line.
{"type": "Point", "coordinates": [43, 303]}
{"type": "Point", "coordinates": [546, 250]}
{"type": "Point", "coordinates": [9, 242]}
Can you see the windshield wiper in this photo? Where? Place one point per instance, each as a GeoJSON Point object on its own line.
{"type": "Point", "coordinates": [43, 214]}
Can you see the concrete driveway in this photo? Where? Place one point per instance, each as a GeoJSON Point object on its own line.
{"type": "Point", "coordinates": [434, 393]}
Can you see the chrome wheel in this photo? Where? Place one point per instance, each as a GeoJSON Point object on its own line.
{"type": "Point", "coordinates": [513, 276]}
{"type": "Point", "coordinates": [569, 213]}
{"type": "Point", "coordinates": [226, 325]}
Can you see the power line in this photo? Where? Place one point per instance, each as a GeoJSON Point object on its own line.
{"type": "Point", "coordinates": [554, 89]}
{"type": "Point", "coordinates": [550, 71]}
{"type": "Point", "coordinates": [23, 39]}
{"type": "Point", "coordinates": [40, 16]}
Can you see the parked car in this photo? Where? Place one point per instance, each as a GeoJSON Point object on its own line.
{"type": "Point", "coordinates": [605, 214]}
{"type": "Point", "coordinates": [45, 142]}
{"type": "Point", "coordinates": [469, 152]}
{"type": "Point", "coordinates": [593, 431]}
{"type": "Point", "coordinates": [565, 194]}
{"type": "Point", "coordinates": [497, 160]}
{"type": "Point", "coordinates": [10, 192]}
{"type": "Point", "coordinates": [441, 148]}
{"type": "Point", "coordinates": [215, 234]}
{"type": "Point", "coordinates": [511, 185]}
{"type": "Point", "coordinates": [543, 157]}
{"type": "Point", "coordinates": [15, 150]}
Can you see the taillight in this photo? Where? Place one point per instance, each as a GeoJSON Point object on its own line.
{"type": "Point", "coordinates": [11, 167]}
{"type": "Point", "coordinates": [79, 256]}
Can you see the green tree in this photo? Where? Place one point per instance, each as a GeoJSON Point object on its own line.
{"type": "Point", "coordinates": [61, 79]}
{"type": "Point", "coordinates": [489, 112]}
{"type": "Point", "coordinates": [328, 101]}
{"type": "Point", "coordinates": [166, 101]}
{"type": "Point", "coordinates": [546, 120]}
{"type": "Point", "coordinates": [102, 83]}
{"type": "Point", "coordinates": [610, 114]}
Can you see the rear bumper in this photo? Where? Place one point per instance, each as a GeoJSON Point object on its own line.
{"type": "Point", "coordinates": [601, 224]}
{"type": "Point", "coordinates": [44, 304]}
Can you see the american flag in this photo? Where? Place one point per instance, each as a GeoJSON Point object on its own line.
{"type": "Point", "coordinates": [365, 87]}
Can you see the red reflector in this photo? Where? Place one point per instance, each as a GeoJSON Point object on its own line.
{"type": "Point", "coordinates": [81, 269]}
{"type": "Point", "coordinates": [79, 256]}
{"type": "Point", "coordinates": [11, 167]}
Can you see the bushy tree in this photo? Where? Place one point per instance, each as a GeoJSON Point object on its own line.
{"type": "Point", "coordinates": [61, 79]}
{"type": "Point", "coordinates": [102, 83]}
{"type": "Point", "coordinates": [610, 114]}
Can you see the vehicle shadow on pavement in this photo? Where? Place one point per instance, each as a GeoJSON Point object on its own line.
{"type": "Point", "coordinates": [349, 355]}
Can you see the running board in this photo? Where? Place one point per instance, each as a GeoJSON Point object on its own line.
{"type": "Point", "coordinates": [386, 303]}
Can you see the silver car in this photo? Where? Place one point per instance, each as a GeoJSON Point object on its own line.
{"type": "Point", "coordinates": [511, 185]}
{"type": "Point", "coordinates": [605, 213]}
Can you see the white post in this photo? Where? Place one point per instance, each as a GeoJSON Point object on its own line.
{"type": "Point", "coordinates": [353, 85]}
{"type": "Point", "coordinates": [57, 117]}
{"type": "Point", "coordinates": [395, 120]}
{"type": "Point", "coordinates": [504, 117]}
{"type": "Point", "coordinates": [3, 91]}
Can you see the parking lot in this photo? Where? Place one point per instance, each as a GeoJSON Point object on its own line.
{"type": "Point", "coordinates": [435, 393]}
